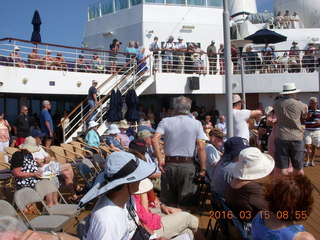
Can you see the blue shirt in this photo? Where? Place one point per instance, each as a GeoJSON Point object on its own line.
{"type": "Point", "coordinates": [110, 140]}
{"type": "Point", "coordinates": [45, 116]}
{"type": "Point", "coordinates": [92, 138]}
{"type": "Point", "coordinates": [130, 50]}
{"type": "Point", "coordinates": [259, 231]}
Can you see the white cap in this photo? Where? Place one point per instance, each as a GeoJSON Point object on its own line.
{"type": "Point", "coordinates": [180, 38]}
{"type": "Point", "coordinates": [16, 48]}
{"type": "Point", "coordinates": [94, 81]}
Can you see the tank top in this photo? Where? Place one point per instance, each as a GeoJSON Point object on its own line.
{"type": "Point", "coordinates": [4, 132]}
{"type": "Point", "coordinates": [260, 231]}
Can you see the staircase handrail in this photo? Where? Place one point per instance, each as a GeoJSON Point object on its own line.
{"type": "Point", "coordinates": [105, 96]}
{"type": "Point", "coordinates": [100, 86]}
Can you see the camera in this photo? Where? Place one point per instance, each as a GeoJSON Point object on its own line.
{"type": "Point", "coordinates": [120, 43]}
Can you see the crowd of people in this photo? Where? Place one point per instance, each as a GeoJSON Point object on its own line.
{"type": "Point", "coordinates": [287, 21]}
{"type": "Point", "coordinates": [150, 179]}
{"type": "Point", "coordinates": [178, 57]}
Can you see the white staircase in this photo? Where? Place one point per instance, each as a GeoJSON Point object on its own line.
{"type": "Point", "coordinates": [131, 79]}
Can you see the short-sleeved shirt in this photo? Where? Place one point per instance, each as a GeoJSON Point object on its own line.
{"type": "Point", "coordinates": [28, 164]}
{"type": "Point", "coordinates": [240, 123]}
{"type": "Point", "coordinates": [112, 53]}
{"type": "Point", "coordinates": [110, 222]}
{"type": "Point", "coordinates": [22, 124]}
{"type": "Point", "coordinates": [247, 198]}
{"type": "Point", "coordinates": [221, 177]}
{"type": "Point", "coordinates": [110, 140]}
{"type": "Point", "coordinates": [289, 111]}
{"type": "Point", "coordinates": [311, 122]}
{"type": "Point", "coordinates": [92, 90]}
{"type": "Point", "coordinates": [45, 116]}
{"type": "Point", "coordinates": [213, 156]}
{"type": "Point", "coordinates": [180, 135]}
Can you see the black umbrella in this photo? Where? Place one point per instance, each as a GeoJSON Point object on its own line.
{"type": "Point", "coordinates": [36, 22]}
{"type": "Point", "coordinates": [112, 112]}
{"type": "Point", "coordinates": [266, 36]}
{"type": "Point", "coordinates": [132, 103]}
{"type": "Point", "coordinates": [119, 105]}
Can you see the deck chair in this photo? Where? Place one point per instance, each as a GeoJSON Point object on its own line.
{"type": "Point", "coordinates": [27, 196]}
{"type": "Point", "coordinates": [5, 175]}
{"type": "Point", "coordinates": [6, 209]}
{"type": "Point", "coordinates": [78, 157]}
{"type": "Point", "coordinates": [78, 149]}
{"type": "Point", "coordinates": [235, 227]}
{"type": "Point", "coordinates": [61, 156]}
{"type": "Point", "coordinates": [84, 144]}
{"type": "Point", "coordinates": [4, 157]}
{"type": "Point", "coordinates": [49, 151]}
{"type": "Point", "coordinates": [10, 151]}
{"type": "Point", "coordinates": [45, 187]}
{"type": "Point", "coordinates": [87, 174]}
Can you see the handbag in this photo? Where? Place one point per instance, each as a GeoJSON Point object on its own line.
{"type": "Point", "coordinates": [141, 233]}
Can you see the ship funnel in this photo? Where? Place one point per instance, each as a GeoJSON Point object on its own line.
{"type": "Point", "coordinates": [240, 9]}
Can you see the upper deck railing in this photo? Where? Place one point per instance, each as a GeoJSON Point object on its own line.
{"type": "Point", "coordinates": [104, 7]}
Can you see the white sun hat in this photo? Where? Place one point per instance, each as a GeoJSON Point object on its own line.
{"type": "Point", "coordinates": [289, 88]}
{"type": "Point", "coordinates": [92, 124]}
{"type": "Point", "coordinates": [144, 186]}
{"type": "Point", "coordinates": [253, 164]}
{"type": "Point", "coordinates": [113, 129]}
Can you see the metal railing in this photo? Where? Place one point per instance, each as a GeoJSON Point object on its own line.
{"type": "Point", "coordinates": [132, 78]}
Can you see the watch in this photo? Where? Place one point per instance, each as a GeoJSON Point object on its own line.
{"type": "Point", "coordinates": [203, 170]}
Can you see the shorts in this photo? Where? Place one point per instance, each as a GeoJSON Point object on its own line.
{"type": "Point", "coordinates": [112, 59]}
{"type": "Point", "coordinates": [312, 137]}
{"type": "Point", "coordinates": [168, 59]}
{"type": "Point", "coordinates": [286, 151]}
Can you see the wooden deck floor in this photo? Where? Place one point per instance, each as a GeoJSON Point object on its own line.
{"type": "Point", "coordinates": [312, 224]}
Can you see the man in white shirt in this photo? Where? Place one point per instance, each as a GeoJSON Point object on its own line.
{"type": "Point", "coordinates": [168, 47]}
{"type": "Point", "coordinates": [181, 48]}
{"type": "Point", "coordinates": [111, 217]}
{"type": "Point", "coordinates": [241, 117]}
{"type": "Point", "coordinates": [213, 150]}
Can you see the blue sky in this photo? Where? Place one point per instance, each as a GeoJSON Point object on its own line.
{"type": "Point", "coordinates": [63, 21]}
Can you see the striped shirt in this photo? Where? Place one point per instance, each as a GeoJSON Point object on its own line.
{"type": "Point", "coordinates": [311, 121]}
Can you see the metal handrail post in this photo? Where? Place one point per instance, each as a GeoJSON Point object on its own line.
{"type": "Point", "coordinates": [14, 51]}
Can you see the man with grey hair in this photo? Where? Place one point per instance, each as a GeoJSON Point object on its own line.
{"type": "Point", "coordinates": [11, 229]}
{"type": "Point", "coordinates": [183, 135]}
{"type": "Point", "coordinates": [312, 132]}
{"type": "Point", "coordinates": [46, 123]}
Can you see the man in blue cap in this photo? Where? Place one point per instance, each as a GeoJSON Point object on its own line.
{"type": "Point", "coordinates": [222, 173]}
{"type": "Point", "coordinates": [111, 217]}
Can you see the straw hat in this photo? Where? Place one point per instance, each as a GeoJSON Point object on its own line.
{"type": "Point", "coordinates": [30, 145]}
{"type": "Point", "coordinates": [144, 134]}
{"type": "Point", "coordinates": [253, 164]}
{"type": "Point", "coordinates": [113, 129]}
{"type": "Point", "coordinates": [123, 124]}
{"type": "Point", "coordinates": [144, 186]}
{"type": "Point", "coordinates": [289, 88]}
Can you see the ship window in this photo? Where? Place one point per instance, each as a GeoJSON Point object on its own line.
{"type": "Point", "coordinates": [121, 4]}
{"type": "Point", "coordinates": [154, 1]}
{"type": "Point", "coordinates": [93, 11]}
{"type": "Point", "coordinates": [197, 2]}
{"type": "Point", "coordinates": [178, 2]}
{"type": "Point", "coordinates": [107, 7]}
{"type": "Point", "coordinates": [12, 108]}
{"type": "Point", "coordinates": [215, 3]}
{"type": "Point", "coordinates": [135, 2]}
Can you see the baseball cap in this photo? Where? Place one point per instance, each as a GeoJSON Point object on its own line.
{"type": "Point", "coordinates": [233, 147]}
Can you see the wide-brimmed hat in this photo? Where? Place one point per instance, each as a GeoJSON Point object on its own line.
{"type": "Point", "coordinates": [113, 129]}
{"type": "Point", "coordinates": [120, 168]}
{"type": "Point", "coordinates": [30, 145]}
{"type": "Point", "coordinates": [232, 147]}
{"type": "Point", "coordinates": [37, 133]}
{"type": "Point", "coordinates": [253, 164]}
{"type": "Point", "coordinates": [145, 127]}
{"type": "Point", "coordinates": [289, 88]}
{"type": "Point", "coordinates": [92, 124]}
{"type": "Point", "coordinates": [144, 186]}
{"type": "Point", "coordinates": [144, 134]}
{"type": "Point", "coordinates": [138, 145]}
{"type": "Point", "coordinates": [123, 124]}
{"type": "Point", "coordinates": [236, 98]}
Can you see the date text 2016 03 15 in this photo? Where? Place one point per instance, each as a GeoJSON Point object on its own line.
{"type": "Point", "coordinates": [247, 215]}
